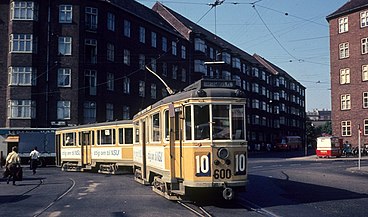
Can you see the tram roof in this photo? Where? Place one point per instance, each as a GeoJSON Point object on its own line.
{"type": "Point", "coordinates": [110, 123]}
{"type": "Point", "coordinates": [204, 88]}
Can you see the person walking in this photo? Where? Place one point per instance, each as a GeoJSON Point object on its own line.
{"type": "Point", "coordinates": [35, 155]}
{"type": "Point", "coordinates": [12, 164]}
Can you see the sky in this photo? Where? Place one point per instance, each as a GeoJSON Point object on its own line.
{"type": "Point", "coordinates": [292, 34]}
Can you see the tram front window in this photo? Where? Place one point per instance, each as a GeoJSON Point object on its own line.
{"type": "Point", "coordinates": [221, 122]}
{"type": "Point", "coordinates": [201, 122]}
{"type": "Point", "coordinates": [237, 113]}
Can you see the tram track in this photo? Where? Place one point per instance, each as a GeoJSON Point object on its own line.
{"type": "Point", "coordinates": [57, 199]}
{"type": "Point", "coordinates": [198, 210]}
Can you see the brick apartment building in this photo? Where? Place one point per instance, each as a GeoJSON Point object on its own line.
{"type": "Point", "coordinates": [71, 62]}
{"type": "Point", "coordinates": [349, 70]}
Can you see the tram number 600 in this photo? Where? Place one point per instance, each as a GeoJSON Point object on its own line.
{"type": "Point", "coordinates": [222, 174]}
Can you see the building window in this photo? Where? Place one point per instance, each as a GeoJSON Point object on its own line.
{"type": "Point", "coordinates": [64, 77]}
{"type": "Point", "coordinates": [345, 76]}
{"type": "Point", "coordinates": [126, 85]}
{"type": "Point", "coordinates": [153, 91]}
{"type": "Point", "coordinates": [63, 110]}
{"type": "Point", "coordinates": [126, 57]}
{"type": "Point", "coordinates": [65, 14]}
{"type": "Point", "coordinates": [344, 50]}
{"type": "Point", "coordinates": [91, 51]}
{"type": "Point", "coordinates": [110, 81]}
{"type": "Point", "coordinates": [364, 43]}
{"type": "Point", "coordinates": [226, 75]}
{"type": "Point", "coordinates": [22, 43]}
{"type": "Point", "coordinates": [226, 57]}
{"type": "Point", "coordinates": [126, 112]}
{"type": "Point", "coordinates": [236, 63]}
{"type": "Point", "coordinates": [183, 52]}
{"type": "Point", "coordinates": [23, 10]}
{"type": "Point", "coordinates": [343, 24]}
{"type": "Point", "coordinates": [363, 19]}
{"type": "Point", "coordinates": [142, 61]}
{"type": "Point", "coordinates": [153, 39]}
{"type": "Point", "coordinates": [153, 64]}
{"type": "Point", "coordinates": [164, 92]}
{"type": "Point", "coordinates": [164, 69]}
{"type": "Point", "coordinates": [183, 75]}
{"type": "Point", "coordinates": [22, 76]}
{"type": "Point", "coordinates": [110, 52]}
{"type": "Point", "coordinates": [142, 34]}
{"type": "Point", "coordinates": [89, 112]}
{"type": "Point", "coordinates": [174, 72]}
{"type": "Point", "coordinates": [91, 18]}
{"type": "Point", "coordinates": [111, 21]}
{"type": "Point", "coordinates": [365, 99]}
{"type": "Point", "coordinates": [91, 81]}
{"type": "Point", "coordinates": [173, 48]}
{"type": "Point", "coordinates": [164, 44]}
{"type": "Point", "coordinates": [200, 67]}
{"type": "Point", "coordinates": [142, 89]}
{"type": "Point", "coordinates": [127, 28]}
{"type": "Point", "coordinates": [345, 102]}
{"type": "Point", "coordinates": [22, 109]}
{"type": "Point", "coordinates": [65, 46]}
{"type": "Point", "coordinates": [345, 128]}
{"type": "Point", "coordinates": [365, 127]}
{"type": "Point", "coordinates": [109, 112]}
{"type": "Point", "coordinates": [199, 45]}
{"type": "Point", "coordinates": [364, 72]}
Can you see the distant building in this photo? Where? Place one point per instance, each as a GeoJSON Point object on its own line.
{"type": "Point", "coordinates": [77, 62]}
{"type": "Point", "coordinates": [349, 70]}
{"type": "Point", "coordinates": [319, 117]}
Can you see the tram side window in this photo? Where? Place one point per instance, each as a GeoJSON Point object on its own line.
{"type": "Point", "coordinates": [188, 123]}
{"type": "Point", "coordinates": [237, 113]}
{"type": "Point", "coordinates": [125, 135]}
{"type": "Point", "coordinates": [106, 137]}
{"type": "Point", "coordinates": [156, 128]}
{"type": "Point", "coordinates": [136, 125]}
{"type": "Point", "coordinates": [128, 135]}
{"type": "Point", "coordinates": [221, 122]}
{"type": "Point", "coordinates": [69, 139]}
{"type": "Point", "coordinates": [201, 122]}
{"type": "Point", "coordinates": [167, 126]}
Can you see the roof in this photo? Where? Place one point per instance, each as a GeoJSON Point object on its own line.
{"type": "Point", "coordinates": [185, 27]}
{"type": "Point", "coordinates": [143, 12]}
{"type": "Point", "coordinates": [349, 7]}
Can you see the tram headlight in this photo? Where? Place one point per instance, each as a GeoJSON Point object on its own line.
{"type": "Point", "coordinates": [223, 153]}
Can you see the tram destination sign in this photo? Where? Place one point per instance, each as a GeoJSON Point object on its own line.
{"type": "Point", "coordinates": [217, 84]}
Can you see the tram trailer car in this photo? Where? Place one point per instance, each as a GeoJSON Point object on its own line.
{"type": "Point", "coordinates": [103, 147]}
{"type": "Point", "coordinates": [193, 141]}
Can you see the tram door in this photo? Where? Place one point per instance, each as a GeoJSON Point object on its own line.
{"type": "Point", "coordinates": [86, 140]}
{"type": "Point", "coordinates": [144, 140]}
{"type": "Point", "coordinates": [58, 149]}
{"type": "Point", "coordinates": [176, 122]}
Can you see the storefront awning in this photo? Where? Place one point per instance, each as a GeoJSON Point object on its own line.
{"type": "Point", "coordinates": [12, 139]}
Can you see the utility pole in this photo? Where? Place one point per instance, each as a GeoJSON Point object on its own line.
{"type": "Point", "coordinates": [214, 5]}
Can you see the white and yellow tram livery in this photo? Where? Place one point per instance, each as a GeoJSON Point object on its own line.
{"type": "Point", "coordinates": [193, 140]}
{"type": "Point", "coordinates": [104, 147]}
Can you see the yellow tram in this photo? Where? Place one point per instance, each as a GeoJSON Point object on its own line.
{"type": "Point", "coordinates": [193, 140]}
{"type": "Point", "coordinates": [106, 147]}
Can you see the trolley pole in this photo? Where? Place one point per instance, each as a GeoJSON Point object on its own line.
{"type": "Point", "coordinates": [360, 155]}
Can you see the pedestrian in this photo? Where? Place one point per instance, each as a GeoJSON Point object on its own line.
{"type": "Point", "coordinates": [13, 164]}
{"type": "Point", "coordinates": [35, 155]}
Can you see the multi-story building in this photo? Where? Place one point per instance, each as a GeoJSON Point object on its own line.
{"type": "Point", "coordinates": [74, 62]}
{"type": "Point", "coordinates": [276, 101]}
{"type": "Point", "coordinates": [349, 70]}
